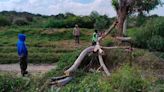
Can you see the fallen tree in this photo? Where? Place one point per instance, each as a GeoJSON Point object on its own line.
{"type": "Point", "coordinates": [68, 74]}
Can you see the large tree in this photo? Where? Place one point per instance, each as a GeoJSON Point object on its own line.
{"type": "Point", "coordinates": [125, 7]}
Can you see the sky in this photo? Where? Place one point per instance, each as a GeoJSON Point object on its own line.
{"type": "Point", "coordinates": [53, 7]}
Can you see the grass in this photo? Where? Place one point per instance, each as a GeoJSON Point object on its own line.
{"type": "Point", "coordinates": [57, 45]}
{"type": "Point", "coordinates": [44, 45]}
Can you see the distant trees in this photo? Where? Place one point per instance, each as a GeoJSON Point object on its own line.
{"type": "Point", "coordinates": [100, 21]}
{"type": "Point", "coordinates": [4, 21]}
{"type": "Point", "coordinates": [68, 20]}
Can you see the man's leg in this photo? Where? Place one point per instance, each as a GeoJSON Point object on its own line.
{"type": "Point", "coordinates": [78, 39]}
{"type": "Point", "coordinates": [75, 39]}
{"type": "Point", "coordinates": [23, 65]}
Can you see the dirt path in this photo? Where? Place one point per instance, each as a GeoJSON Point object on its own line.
{"type": "Point", "coordinates": [32, 68]}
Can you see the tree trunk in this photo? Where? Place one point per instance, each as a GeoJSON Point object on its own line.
{"type": "Point", "coordinates": [125, 26]}
{"type": "Point", "coordinates": [121, 16]}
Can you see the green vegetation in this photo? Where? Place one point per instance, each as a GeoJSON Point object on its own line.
{"type": "Point", "coordinates": [149, 35]}
{"type": "Point", "coordinates": [49, 44]}
{"type": "Point", "coordinates": [11, 83]}
{"type": "Point", "coordinates": [42, 43]}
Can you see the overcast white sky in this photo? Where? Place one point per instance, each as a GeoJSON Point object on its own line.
{"type": "Point", "coordinates": [53, 7]}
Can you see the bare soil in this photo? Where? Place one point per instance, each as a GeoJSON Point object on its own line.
{"type": "Point", "coordinates": [32, 68]}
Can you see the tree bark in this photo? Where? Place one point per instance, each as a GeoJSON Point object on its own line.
{"type": "Point", "coordinates": [125, 26]}
{"type": "Point", "coordinates": [121, 16]}
{"type": "Point", "coordinates": [103, 65]}
{"type": "Point", "coordinates": [79, 60]}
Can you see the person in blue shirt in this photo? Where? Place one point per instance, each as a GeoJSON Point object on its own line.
{"type": "Point", "coordinates": [22, 53]}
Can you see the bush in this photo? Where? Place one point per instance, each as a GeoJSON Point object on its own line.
{"type": "Point", "coordinates": [54, 23]}
{"type": "Point", "coordinates": [4, 21]}
{"type": "Point", "coordinates": [156, 43]}
{"type": "Point", "coordinates": [20, 21]}
{"type": "Point", "coordinates": [150, 35]}
{"type": "Point", "coordinates": [128, 79]}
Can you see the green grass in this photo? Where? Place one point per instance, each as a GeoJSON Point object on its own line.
{"type": "Point", "coordinates": [46, 46]}
{"type": "Point", "coordinates": [42, 43]}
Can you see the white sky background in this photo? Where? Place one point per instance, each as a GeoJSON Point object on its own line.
{"type": "Point", "coordinates": [53, 7]}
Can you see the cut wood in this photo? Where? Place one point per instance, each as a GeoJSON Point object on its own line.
{"type": "Point", "coordinates": [64, 81]}
{"type": "Point", "coordinates": [58, 78]}
{"type": "Point", "coordinates": [78, 60]}
{"type": "Point", "coordinates": [103, 65]}
{"type": "Point", "coordinates": [124, 39]}
{"type": "Point", "coordinates": [117, 47]}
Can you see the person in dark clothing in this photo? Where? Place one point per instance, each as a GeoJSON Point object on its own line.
{"type": "Point", "coordinates": [22, 53]}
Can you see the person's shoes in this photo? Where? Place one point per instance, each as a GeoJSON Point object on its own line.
{"type": "Point", "coordinates": [26, 72]}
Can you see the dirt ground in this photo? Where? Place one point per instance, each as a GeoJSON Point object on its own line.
{"type": "Point", "coordinates": [32, 68]}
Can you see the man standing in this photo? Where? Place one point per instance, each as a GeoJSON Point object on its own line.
{"type": "Point", "coordinates": [94, 38]}
{"type": "Point", "coordinates": [76, 33]}
{"type": "Point", "coordinates": [23, 53]}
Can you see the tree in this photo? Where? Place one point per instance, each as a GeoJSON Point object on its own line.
{"type": "Point", "coordinates": [100, 21]}
{"type": "Point", "coordinates": [126, 7]}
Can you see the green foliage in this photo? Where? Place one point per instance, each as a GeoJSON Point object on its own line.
{"type": "Point", "coordinates": [150, 35]}
{"type": "Point", "coordinates": [4, 21]}
{"type": "Point", "coordinates": [9, 83]}
{"type": "Point", "coordinates": [140, 20]}
{"type": "Point", "coordinates": [136, 5]}
{"type": "Point", "coordinates": [20, 21]}
{"type": "Point", "coordinates": [129, 79]}
{"type": "Point", "coordinates": [41, 43]}
{"type": "Point", "coordinates": [158, 86]}
{"type": "Point", "coordinates": [54, 23]}
{"type": "Point", "coordinates": [144, 5]}
{"type": "Point", "coordinates": [69, 22]}
{"type": "Point", "coordinates": [67, 59]}
{"type": "Point", "coordinates": [115, 4]}
{"type": "Point", "coordinates": [91, 82]}
{"type": "Point", "coordinates": [101, 23]}
{"type": "Point", "coordinates": [108, 43]}
{"type": "Point", "coordinates": [156, 43]}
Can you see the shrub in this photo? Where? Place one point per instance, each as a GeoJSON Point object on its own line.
{"type": "Point", "coordinates": [156, 43]}
{"type": "Point", "coordinates": [54, 23]}
{"type": "Point", "coordinates": [20, 21]}
{"type": "Point", "coordinates": [4, 21]}
{"type": "Point", "coordinates": [128, 79]}
{"type": "Point", "coordinates": [150, 35]}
